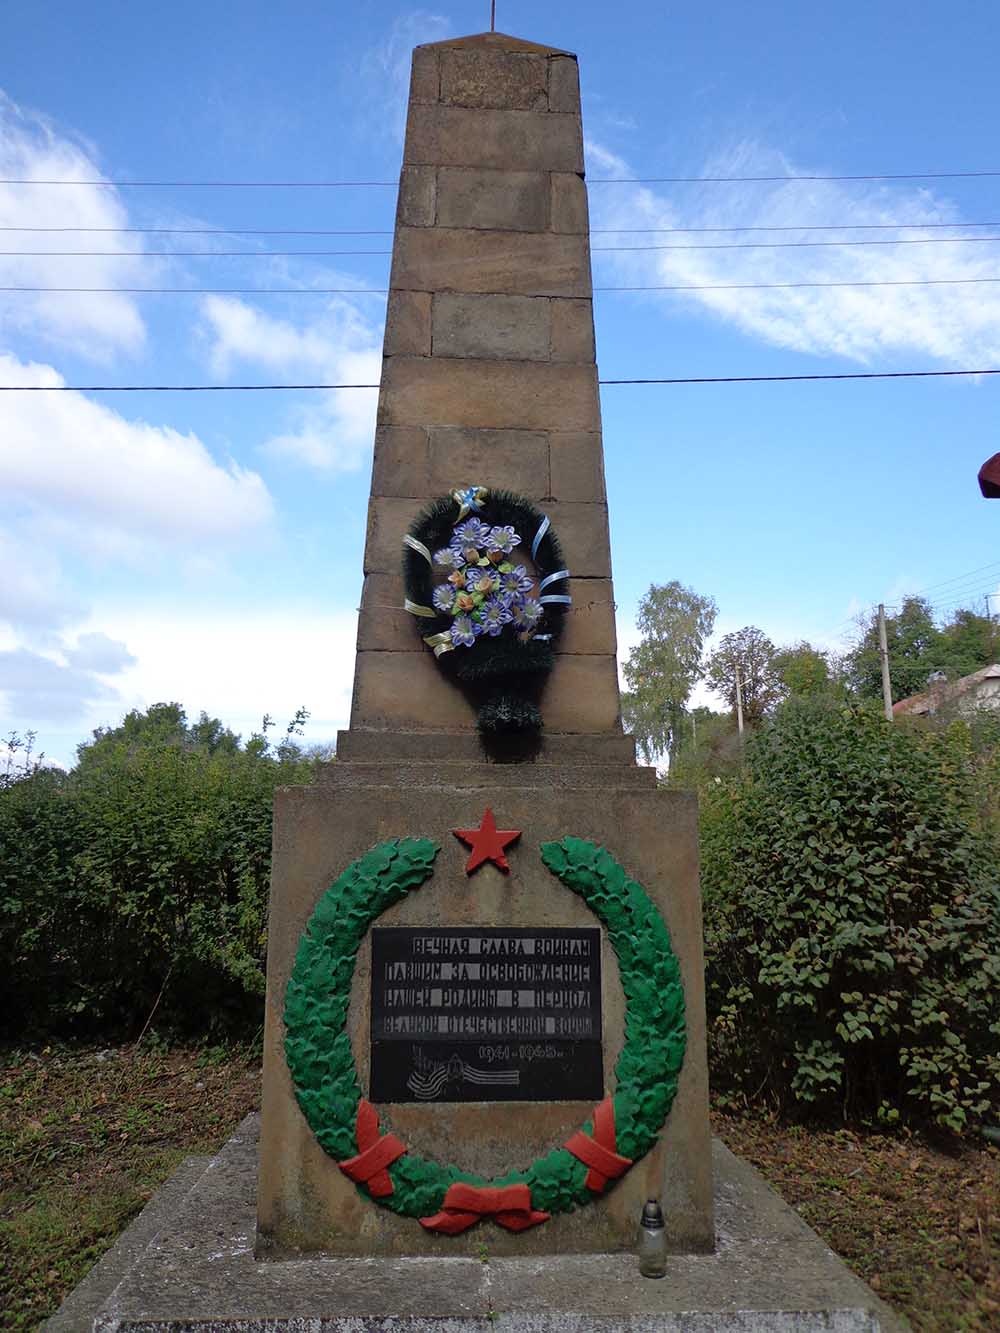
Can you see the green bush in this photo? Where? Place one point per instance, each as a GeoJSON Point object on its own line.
{"type": "Point", "coordinates": [142, 875]}
{"type": "Point", "coordinates": [853, 919]}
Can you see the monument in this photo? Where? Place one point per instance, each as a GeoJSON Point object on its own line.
{"type": "Point", "coordinates": [514, 982]}
{"type": "Point", "coordinates": [484, 1036]}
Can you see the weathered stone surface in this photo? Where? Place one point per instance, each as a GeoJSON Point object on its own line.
{"type": "Point", "coordinates": [582, 530]}
{"type": "Point", "coordinates": [590, 621]}
{"type": "Point", "coordinates": [383, 625]}
{"type": "Point", "coordinates": [455, 136]}
{"type": "Point", "coordinates": [515, 459]}
{"type": "Point", "coordinates": [424, 75]}
{"type": "Point", "coordinates": [572, 331]}
{"type": "Point", "coordinates": [513, 328]}
{"type": "Point", "coordinates": [417, 192]}
{"type": "Point", "coordinates": [400, 462]}
{"type": "Point", "coordinates": [76, 1314]}
{"type": "Point", "coordinates": [408, 325]}
{"type": "Point", "coordinates": [520, 395]}
{"type": "Point", "coordinates": [408, 691]}
{"type": "Point", "coordinates": [576, 462]}
{"type": "Point", "coordinates": [305, 1200]}
{"type": "Point", "coordinates": [518, 263]}
{"type": "Point", "coordinates": [609, 747]}
{"type": "Point", "coordinates": [499, 200]}
{"type": "Point", "coordinates": [494, 79]}
{"type": "Point", "coordinates": [564, 84]}
{"type": "Point", "coordinates": [569, 204]}
{"type": "Point", "coordinates": [770, 1273]}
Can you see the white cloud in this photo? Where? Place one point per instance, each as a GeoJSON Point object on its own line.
{"type": "Point", "coordinates": [332, 431]}
{"type": "Point", "coordinates": [43, 688]}
{"type": "Point", "coordinates": [385, 69]}
{"type": "Point", "coordinates": [958, 325]}
{"type": "Point", "coordinates": [33, 593]}
{"type": "Point", "coordinates": [79, 465]}
{"type": "Point", "coordinates": [96, 652]}
{"type": "Point", "coordinates": [95, 326]}
{"type": "Point", "coordinates": [239, 664]}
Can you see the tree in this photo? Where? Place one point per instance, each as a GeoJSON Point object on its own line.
{"type": "Point", "coordinates": [804, 671]}
{"type": "Point", "coordinates": [752, 652]}
{"type": "Point", "coordinates": [663, 668]}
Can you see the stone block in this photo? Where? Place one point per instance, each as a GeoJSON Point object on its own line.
{"type": "Point", "coordinates": [582, 530]}
{"type": "Point", "coordinates": [607, 749]}
{"type": "Point", "coordinates": [498, 200]}
{"type": "Point", "coordinates": [513, 328]}
{"type": "Point", "coordinates": [383, 625]}
{"type": "Point", "coordinates": [590, 621]}
{"type": "Point", "coordinates": [456, 136]}
{"type": "Point", "coordinates": [568, 209]}
{"type": "Point", "coordinates": [564, 85]}
{"type": "Point", "coordinates": [417, 192]}
{"type": "Point", "coordinates": [389, 518]}
{"type": "Point", "coordinates": [470, 260]}
{"type": "Point", "coordinates": [424, 75]}
{"type": "Point", "coordinates": [408, 324]}
{"type": "Point", "coordinates": [516, 460]}
{"type": "Point", "coordinates": [582, 694]}
{"type": "Point", "coordinates": [399, 466]}
{"type": "Point", "coordinates": [576, 465]}
{"type": "Point", "coordinates": [573, 331]}
{"type": "Point", "coordinates": [403, 689]}
{"type": "Point", "coordinates": [494, 79]}
{"type": "Point", "coordinates": [520, 395]}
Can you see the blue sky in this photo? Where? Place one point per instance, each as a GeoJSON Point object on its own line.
{"type": "Point", "coordinates": [207, 548]}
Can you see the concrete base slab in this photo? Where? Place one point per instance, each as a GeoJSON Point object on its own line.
{"type": "Point", "coordinates": [770, 1273]}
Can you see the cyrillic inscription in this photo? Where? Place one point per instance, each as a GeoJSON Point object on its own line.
{"type": "Point", "coordinates": [486, 1014]}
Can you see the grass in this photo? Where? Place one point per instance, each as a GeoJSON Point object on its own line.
{"type": "Point", "coordinates": [87, 1135]}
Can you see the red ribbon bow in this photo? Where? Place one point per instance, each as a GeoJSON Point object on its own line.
{"type": "Point", "coordinates": [376, 1153]}
{"type": "Point", "coordinates": [466, 1204]}
{"type": "Point", "coordinates": [598, 1152]}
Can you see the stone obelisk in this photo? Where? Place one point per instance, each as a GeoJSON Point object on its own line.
{"type": "Point", "coordinates": [489, 379]}
{"type": "Point", "coordinates": [488, 376]}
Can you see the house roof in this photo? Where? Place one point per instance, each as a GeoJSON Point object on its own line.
{"type": "Point", "coordinates": [944, 693]}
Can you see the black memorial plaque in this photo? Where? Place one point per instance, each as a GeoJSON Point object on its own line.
{"type": "Point", "coordinates": [486, 1014]}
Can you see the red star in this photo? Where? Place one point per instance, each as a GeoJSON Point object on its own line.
{"type": "Point", "coordinates": [487, 842]}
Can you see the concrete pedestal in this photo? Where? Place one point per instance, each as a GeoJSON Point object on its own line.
{"type": "Point", "coordinates": [188, 1263]}
{"type": "Point", "coordinates": [306, 1203]}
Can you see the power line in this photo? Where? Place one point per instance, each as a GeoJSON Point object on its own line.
{"type": "Point", "coordinates": [661, 231]}
{"type": "Point", "coordinates": [597, 249]}
{"type": "Point", "coordinates": [604, 180]}
{"type": "Point", "coordinates": [383, 291]}
{"type": "Point", "coordinates": [957, 578]}
{"type": "Point", "coordinates": [697, 379]}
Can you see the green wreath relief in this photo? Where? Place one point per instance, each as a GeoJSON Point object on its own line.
{"type": "Point", "coordinates": [318, 1048]}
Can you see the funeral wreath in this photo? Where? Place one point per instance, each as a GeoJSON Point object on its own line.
{"type": "Point", "coordinates": [484, 574]}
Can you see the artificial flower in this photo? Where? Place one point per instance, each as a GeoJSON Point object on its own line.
{"type": "Point", "coordinates": [527, 612]}
{"type": "Point", "coordinates": [449, 557]}
{"type": "Point", "coordinates": [457, 578]}
{"type": "Point", "coordinates": [465, 601]}
{"type": "Point", "coordinates": [444, 596]}
{"type": "Point", "coordinates": [516, 580]}
{"type": "Point", "coordinates": [502, 539]}
{"type": "Point", "coordinates": [480, 580]}
{"type": "Point", "coordinates": [463, 632]}
{"type": "Point", "coordinates": [473, 532]}
{"type": "Point", "coordinates": [496, 613]}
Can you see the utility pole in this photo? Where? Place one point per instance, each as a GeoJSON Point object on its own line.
{"type": "Point", "coordinates": [883, 652]}
{"type": "Point", "coordinates": [739, 701]}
